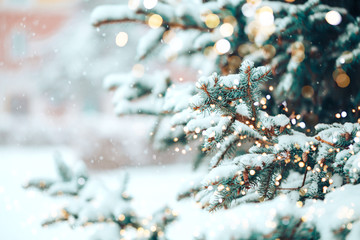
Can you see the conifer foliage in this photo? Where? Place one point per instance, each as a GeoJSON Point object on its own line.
{"type": "Point", "coordinates": [311, 47]}
{"type": "Point", "coordinates": [279, 161]}
{"type": "Point", "coordinates": [95, 203]}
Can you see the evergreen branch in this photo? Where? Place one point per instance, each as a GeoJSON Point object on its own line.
{"type": "Point", "coordinates": [224, 153]}
{"type": "Point", "coordinates": [249, 95]}
{"type": "Point", "coordinates": [298, 224]}
{"type": "Point", "coordinates": [167, 25]}
{"type": "Point", "coordinates": [268, 180]}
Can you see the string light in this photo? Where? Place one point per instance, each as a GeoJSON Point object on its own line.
{"type": "Point", "coordinates": [222, 46]}
{"type": "Point", "coordinates": [121, 39]}
{"type": "Point", "coordinates": [226, 30]}
{"type": "Point", "coordinates": [212, 20]}
{"type": "Point", "coordinates": [333, 18]}
{"type": "Point", "coordinates": [342, 80]}
{"type": "Point", "coordinates": [155, 21]}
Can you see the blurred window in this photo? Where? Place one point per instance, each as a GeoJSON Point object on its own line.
{"type": "Point", "coordinates": [18, 105]}
{"type": "Point", "coordinates": [18, 45]}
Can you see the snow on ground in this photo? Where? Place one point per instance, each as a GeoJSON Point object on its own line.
{"type": "Point", "coordinates": [22, 211]}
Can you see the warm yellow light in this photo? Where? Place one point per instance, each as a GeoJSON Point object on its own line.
{"type": "Point", "coordinates": [155, 21]}
{"type": "Point", "coordinates": [222, 46]}
{"type": "Point", "coordinates": [138, 70]}
{"type": "Point", "coordinates": [342, 80]}
{"type": "Point", "coordinates": [297, 51]}
{"type": "Point", "coordinates": [333, 18]}
{"type": "Point", "coordinates": [149, 4]}
{"type": "Point", "coordinates": [121, 217]}
{"type": "Point", "coordinates": [226, 29]}
{"type": "Point", "coordinates": [121, 39]}
{"type": "Point", "coordinates": [212, 20]}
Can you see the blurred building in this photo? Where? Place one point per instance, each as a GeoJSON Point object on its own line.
{"type": "Point", "coordinates": [52, 63]}
{"type": "Point", "coordinates": [24, 26]}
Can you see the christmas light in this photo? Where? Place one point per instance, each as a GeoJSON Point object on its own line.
{"type": "Point", "coordinates": [226, 30]}
{"type": "Point", "coordinates": [121, 39]}
{"type": "Point", "coordinates": [212, 20]}
{"type": "Point", "coordinates": [342, 80]}
{"type": "Point", "coordinates": [155, 21]}
{"type": "Point", "coordinates": [222, 46]}
{"type": "Point", "coordinates": [333, 18]}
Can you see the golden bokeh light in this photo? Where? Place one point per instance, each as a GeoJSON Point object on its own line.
{"type": "Point", "coordinates": [155, 21]}
{"type": "Point", "coordinates": [297, 52]}
{"type": "Point", "coordinates": [222, 46]}
{"type": "Point", "coordinates": [333, 18]}
{"type": "Point", "coordinates": [121, 39]}
{"type": "Point", "coordinates": [307, 91]}
{"type": "Point", "coordinates": [138, 70]}
{"type": "Point", "coordinates": [290, 1]}
{"type": "Point", "coordinates": [212, 20]}
{"type": "Point", "coordinates": [342, 80]}
{"type": "Point", "coordinates": [226, 30]}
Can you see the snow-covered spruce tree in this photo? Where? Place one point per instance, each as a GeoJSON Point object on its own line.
{"type": "Point", "coordinates": [290, 170]}
{"type": "Point", "coordinates": [95, 203]}
{"type": "Point", "coordinates": [311, 47]}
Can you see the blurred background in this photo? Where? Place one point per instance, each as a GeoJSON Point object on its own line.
{"type": "Point", "coordinates": [52, 100]}
{"type": "Point", "coordinates": [52, 64]}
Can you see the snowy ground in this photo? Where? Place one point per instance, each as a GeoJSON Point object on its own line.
{"type": "Point", "coordinates": [21, 211]}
